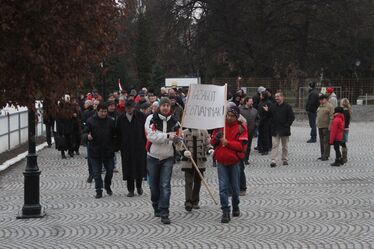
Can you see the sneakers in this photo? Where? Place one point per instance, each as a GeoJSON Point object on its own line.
{"type": "Point", "coordinates": [273, 164]}
{"type": "Point", "coordinates": [165, 220]}
{"type": "Point", "coordinates": [242, 193]}
{"type": "Point", "coordinates": [225, 218]}
{"type": "Point", "coordinates": [140, 191]}
{"type": "Point", "coordinates": [131, 194]}
{"type": "Point", "coordinates": [98, 195]}
{"type": "Point", "coordinates": [285, 163]}
{"type": "Point", "coordinates": [312, 140]}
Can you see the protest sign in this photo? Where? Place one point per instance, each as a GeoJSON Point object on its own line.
{"type": "Point", "coordinates": [205, 107]}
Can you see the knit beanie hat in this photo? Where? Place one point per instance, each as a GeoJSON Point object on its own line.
{"type": "Point", "coordinates": [231, 107]}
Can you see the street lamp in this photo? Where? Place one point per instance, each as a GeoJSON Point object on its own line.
{"type": "Point", "coordinates": [103, 79]}
{"type": "Point", "coordinates": [31, 207]}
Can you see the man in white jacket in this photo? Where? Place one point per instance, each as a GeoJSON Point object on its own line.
{"type": "Point", "coordinates": [162, 131]}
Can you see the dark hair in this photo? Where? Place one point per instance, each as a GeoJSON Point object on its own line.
{"type": "Point", "coordinates": [102, 106]}
{"type": "Point", "coordinates": [246, 99]}
{"type": "Point", "coordinates": [280, 92]}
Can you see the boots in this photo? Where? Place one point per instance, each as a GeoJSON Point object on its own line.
{"type": "Point", "coordinates": [63, 154]}
{"type": "Point", "coordinates": [338, 162]}
{"type": "Point", "coordinates": [344, 155]}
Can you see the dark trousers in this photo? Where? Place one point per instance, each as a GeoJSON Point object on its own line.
{"type": "Point", "coordinates": [324, 135]}
{"type": "Point", "coordinates": [192, 186]}
{"type": "Point", "coordinates": [312, 116]}
{"type": "Point", "coordinates": [243, 180]}
{"type": "Point", "coordinates": [264, 137]}
{"type": "Point", "coordinates": [131, 184]}
{"type": "Point", "coordinates": [90, 169]}
{"type": "Point", "coordinates": [49, 131]}
{"type": "Point", "coordinates": [338, 154]}
{"type": "Point", "coordinates": [76, 141]}
{"type": "Point", "coordinates": [249, 145]}
{"type": "Point", "coordinates": [97, 165]}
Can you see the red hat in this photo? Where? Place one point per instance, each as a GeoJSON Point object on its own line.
{"type": "Point", "coordinates": [330, 90]}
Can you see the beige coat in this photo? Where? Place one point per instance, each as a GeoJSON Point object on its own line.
{"type": "Point", "coordinates": [325, 114]}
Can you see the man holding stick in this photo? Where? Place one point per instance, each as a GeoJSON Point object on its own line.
{"type": "Point", "coordinates": [230, 146]}
{"type": "Point", "coordinates": [198, 144]}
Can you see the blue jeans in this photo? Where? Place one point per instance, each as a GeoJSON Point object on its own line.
{"type": "Point", "coordinates": [159, 172]}
{"type": "Point", "coordinates": [312, 116]}
{"type": "Point", "coordinates": [229, 178]}
{"type": "Point", "coordinates": [97, 166]}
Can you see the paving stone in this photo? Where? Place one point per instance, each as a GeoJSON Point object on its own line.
{"type": "Point", "coordinates": [307, 204]}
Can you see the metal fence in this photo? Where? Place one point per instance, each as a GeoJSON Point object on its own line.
{"type": "Point", "coordinates": [14, 129]}
{"type": "Point", "coordinates": [359, 91]}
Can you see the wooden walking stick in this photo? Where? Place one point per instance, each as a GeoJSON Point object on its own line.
{"type": "Point", "coordinates": [200, 175]}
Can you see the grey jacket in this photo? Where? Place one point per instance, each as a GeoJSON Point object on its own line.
{"type": "Point", "coordinates": [250, 115]}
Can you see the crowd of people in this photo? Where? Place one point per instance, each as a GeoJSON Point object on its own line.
{"type": "Point", "coordinates": [145, 129]}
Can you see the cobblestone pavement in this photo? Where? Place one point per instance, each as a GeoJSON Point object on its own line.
{"type": "Point", "coordinates": [307, 204]}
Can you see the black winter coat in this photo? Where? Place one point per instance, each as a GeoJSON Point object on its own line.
{"type": "Point", "coordinates": [282, 117]}
{"type": "Point", "coordinates": [132, 143]}
{"type": "Point", "coordinates": [312, 103]}
{"type": "Point", "coordinates": [104, 137]}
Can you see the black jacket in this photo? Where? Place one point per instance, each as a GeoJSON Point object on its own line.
{"type": "Point", "coordinates": [104, 137]}
{"type": "Point", "coordinates": [312, 103]}
{"type": "Point", "coordinates": [282, 117]}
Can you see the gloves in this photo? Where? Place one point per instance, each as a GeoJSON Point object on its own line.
{"type": "Point", "coordinates": [187, 154]}
{"type": "Point", "coordinates": [218, 136]}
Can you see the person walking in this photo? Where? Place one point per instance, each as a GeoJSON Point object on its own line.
{"type": "Point", "coordinates": [250, 114]}
{"type": "Point", "coordinates": [325, 113]}
{"type": "Point", "coordinates": [347, 110]}
{"type": "Point", "coordinates": [312, 105]}
{"type": "Point", "coordinates": [264, 128]}
{"type": "Point", "coordinates": [64, 127]}
{"type": "Point", "coordinates": [100, 132]}
{"type": "Point", "coordinates": [163, 133]}
{"type": "Point", "coordinates": [132, 144]}
{"type": "Point", "coordinates": [198, 147]}
{"type": "Point", "coordinates": [336, 134]}
{"type": "Point", "coordinates": [282, 117]}
{"type": "Point", "coordinates": [229, 151]}
{"type": "Point", "coordinates": [87, 113]}
{"type": "Point", "coordinates": [49, 117]}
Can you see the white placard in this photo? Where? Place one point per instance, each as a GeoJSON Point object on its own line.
{"type": "Point", "coordinates": [205, 107]}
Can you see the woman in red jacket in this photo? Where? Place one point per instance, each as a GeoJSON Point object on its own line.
{"type": "Point", "coordinates": [229, 151]}
{"type": "Point", "coordinates": [336, 134]}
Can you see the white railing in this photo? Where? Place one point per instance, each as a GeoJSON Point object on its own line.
{"type": "Point", "coordinates": [14, 128]}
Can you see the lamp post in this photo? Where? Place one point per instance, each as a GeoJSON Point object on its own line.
{"type": "Point", "coordinates": [355, 89]}
{"type": "Point", "coordinates": [103, 79]}
{"type": "Point", "coordinates": [238, 82]}
{"type": "Point", "coordinates": [31, 207]}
